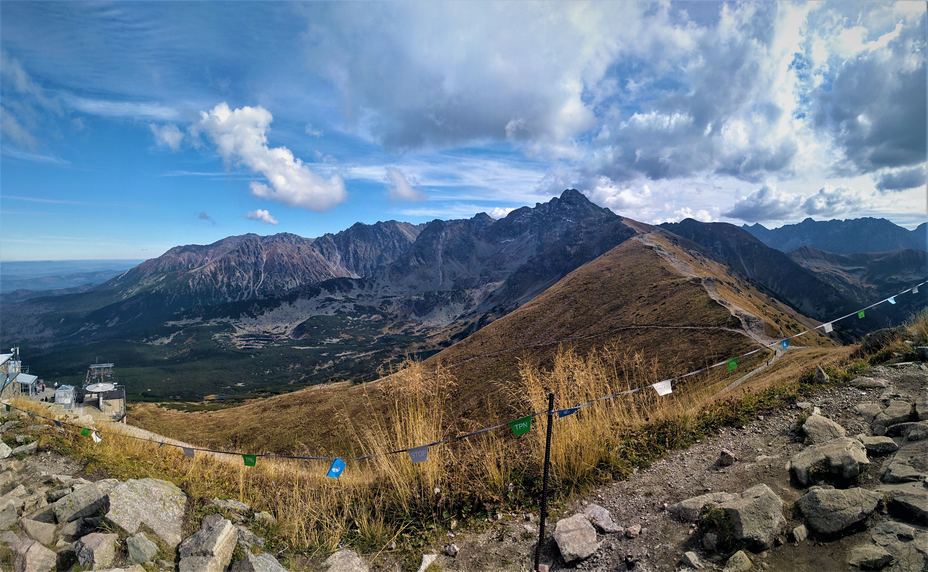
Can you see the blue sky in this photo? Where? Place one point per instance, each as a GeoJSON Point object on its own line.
{"type": "Point", "coordinates": [129, 128]}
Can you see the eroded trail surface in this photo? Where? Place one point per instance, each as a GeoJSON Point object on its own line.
{"type": "Point", "coordinates": [836, 483]}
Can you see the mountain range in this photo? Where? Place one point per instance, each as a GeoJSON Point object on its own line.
{"type": "Point", "coordinates": [250, 314]}
{"type": "Point", "coordinates": [843, 236]}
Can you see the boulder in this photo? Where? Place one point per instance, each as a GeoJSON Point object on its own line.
{"type": "Point", "coordinates": [44, 532]}
{"type": "Point", "coordinates": [265, 519]}
{"type": "Point", "coordinates": [9, 514]}
{"type": "Point", "coordinates": [799, 533]}
{"type": "Point", "coordinates": [210, 548]}
{"type": "Point", "coordinates": [345, 561]}
{"type": "Point", "coordinates": [869, 557]}
{"type": "Point", "coordinates": [87, 500]}
{"type": "Point", "coordinates": [909, 430]}
{"type": "Point", "coordinates": [752, 520]}
{"type": "Point", "coordinates": [921, 408]}
{"type": "Point", "coordinates": [878, 445]}
{"type": "Point", "coordinates": [868, 410]}
{"type": "Point", "coordinates": [819, 429]}
{"type": "Point", "coordinates": [738, 562]}
{"type": "Point", "coordinates": [691, 560]}
{"type": "Point", "coordinates": [898, 411]}
{"type": "Point", "coordinates": [868, 383]}
{"type": "Point", "coordinates": [840, 460]}
{"type": "Point", "coordinates": [907, 501]}
{"type": "Point", "coordinates": [5, 450]}
{"type": "Point", "coordinates": [601, 519]}
{"type": "Point", "coordinates": [73, 530]}
{"type": "Point", "coordinates": [157, 504]}
{"type": "Point", "coordinates": [830, 512]}
{"type": "Point", "coordinates": [910, 463]}
{"type": "Point", "coordinates": [726, 458]}
{"type": "Point", "coordinates": [688, 510]}
{"type": "Point", "coordinates": [96, 550]}
{"type": "Point", "coordinates": [257, 563]}
{"type": "Point", "coordinates": [575, 538]}
{"type": "Point", "coordinates": [141, 549]}
{"type": "Point", "coordinates": [31, 556]}
{"type": "Point", "coordinates": [27, 449]}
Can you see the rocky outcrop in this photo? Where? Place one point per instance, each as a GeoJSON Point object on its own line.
{"type": "Point", "coordinates": [830, 512]}
{"type": "Point", "coordinates": [156, 504]}
{"type": "Point", "coordinates": [575, 538]}
{"type": "Point", "coordinates": [140, 549]}
{"type": "Point", "coordinates": [87, 500]}
{"type": "Point", "coordinates": [210, 548]}
{"type": "Point", "coordinates": [909, 464]}
{"type": "Point", "coordinates": [753, 520]}
{"type": "Point", "coordinates": [96, 550]}
{"type": "Point", "coordinates": [837, 461]}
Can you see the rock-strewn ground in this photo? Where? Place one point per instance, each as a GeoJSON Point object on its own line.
{"type": "Point", "coordinates": [858, 515]}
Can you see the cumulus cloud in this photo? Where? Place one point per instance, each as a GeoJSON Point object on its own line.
{"type": "Point", "coordinates": [400, 187]}
{"type": "Point", "coordinates": [606, 192]}
{"type": "Point", "coordinates": [240, 136]}
{"type": "Point", "coordinates": [831, 202]}
{"type": "Point", "coordinates": [766, 203]}
{"type": "Point", "coordinates": [262, 215]}
{"type": "Point", "coordinates": [901, 179]}
{"type": "Point", "coordinates": [167, 135]}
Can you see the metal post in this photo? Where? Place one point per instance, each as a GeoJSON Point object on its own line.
{"type": "Point", "coordinates": [544, 483]}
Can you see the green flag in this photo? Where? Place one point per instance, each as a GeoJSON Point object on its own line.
{"type": "Point", "coordinates": [732, 364]}
{"type": "Point", "coordinates": [861, 314]}
{"type": "Point", "coordinates": [521, 426]}
{"type": "Point", "coordinates": [250, 460]}
{"type": "Point", "coordinates": [85, 432]}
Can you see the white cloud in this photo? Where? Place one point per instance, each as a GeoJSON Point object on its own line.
{"type": "Point", "coordinates": [616, 197]}
{"type": "Point", "coordinates": [167, 135]}
{"type": "Point", "coordinates": [400, 187]}
{"type": "Point", "coordinates": [240, 136]}
{"type": "Point", "coordinates": [131, 109]}
{"type": "Point", "coordinates": [262, 215]}
{"type": "Point", "coordinates": [500, 212]}
{"type": "Point", "coordinates": [832, 202]}
{"type": "Point", "coordinates": [766, 203]}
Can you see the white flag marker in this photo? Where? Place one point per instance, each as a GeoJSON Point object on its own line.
{"type": "Point", "coordinates": [663, 387]}
{"type": "Point", "coordinates": [828, 328]}
{"type": "Point", "coordinates": [891, 299]}
{"type": "Point", "coordinates": [915, 290]}
{"type": "Point", "coordinates": [96, 438]}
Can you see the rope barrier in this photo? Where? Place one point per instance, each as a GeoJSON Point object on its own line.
{"type": "Point", "coordinates": [662, 387]}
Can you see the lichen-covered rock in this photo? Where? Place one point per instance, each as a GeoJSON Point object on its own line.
{"type": "Point", "coordinates": [5, 450]}
{"type": "Point", "coordinates": [840, 460]}
{"type": "Point", "coordinates": [141, 549]}
{"type": "Point", "coordinates": [210, 548]}
{"type": "Point", "coordinates": [157, 504]}
{"type": "Point", "coordinates": [44, 532]}
{"type": "Point", "coordinates": [86, 500]}
{"type": "Point", "coordinates": [575, 538]}
{"type": "Point", "coordinates": [31, 556]}
{"type": "Point", "coordinates": [832, 511]}
{"type": "Point", "coordinates": [752, 520]}
{"type": "Point", "coordinates": [257, 563]}
{"type": "Point", "coordinates": [96, 550]}
{"type": "Point", "coordinates": [601, 519]}
{"type": "Point", "coordinates": [345, 561]}
{"type": "Point", "coordinates": [688, 510]}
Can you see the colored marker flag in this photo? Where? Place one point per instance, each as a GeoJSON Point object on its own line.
{"type": "Point", "coordinates": [828, 328]}
{"type": "Point", "coordinates": [891, 299]}
{"type": "Point", "coordinates": [188, 452]}
{"type": "Point", "coordinates": [250, 460]}
{"type": "Point", "coordinates": [58, 423]}
{"type": "Point", "coordinates": [521, 426]}
{"type": "Point", "coordinates": [567, 412]}
{"type": "Point", "coordinates": [663, 387]}
{"type": "Point", "coordinates": [85, 432]}
{"type": "Point", "coordinates": [419, 454]}
{"type": "Point", "coordinates": [96, 438]}
{"type": "Point", "coordinates": [784, 344]}
{"type": "Point", "coordinates": [861, 314]}
{"type": "Point", "coordinates": [732, 364]}
{"type": "Point", "coordinates": [914, 291]}
{"type": "Point", "coordinates": [336, 469]}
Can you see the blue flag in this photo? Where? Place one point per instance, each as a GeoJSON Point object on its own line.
{"type": "Point", "coordinates": [336, 469]}
{"type": "Point", "coordinates": [784, 344]}
{"type": "Point", "coordinates": [419, 454]}
{"type": "Point", "coordinates": [568, 411]}
{"type": "Point", "coordinates": [892, 300]}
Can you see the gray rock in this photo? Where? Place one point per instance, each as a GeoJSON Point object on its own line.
{"type": "Point", "coordinates": [869, 557]}
{"type": "Point", "coordinates": [28, 449]}
{"type": "Point", "coordinates": [898, 411]}
{"type": "Point", "coordinates": [799, 533]}
{"type": "Point", "coordinates": [891, 531]}
{"type": "Point", "coordinates": [257, 563]}
{"type": "Point", "coordinates": [601, 519]}
{"type": "Point", "coordinates": [633, 531]}
{"type": "Point", "coordinates": [44, 532]}
{"type": "Point", "coordinates": [738, 562]}
{"type": "Point", "coordinates": [141, 549]}
{"type": "Point", "coordinates": [345, 561]}
{"type": "Point", "coordinates": [907, 501]}
{"type": "Point", "coordinates": [86, 500]}
{"type": "Point", "coordinates": [575, 538]}
{"type": "Point", "coordinates": [910, 430]}
{"type": "Point", "coordinates": [688, 510]}
{"type": "Point", "coordinates": [878, 445]}
{"type": "Point", "coordinates": [427, 560]}
{"type": "Point", "coordinates": [726, 458]}
{"type": "Point", "coordinates": [868, 410]}
{"type": "Point", "coordinates": [452, 550]}
{"type": "Point", "coordinates": [157, 504]}
{"type": "Point", "coordinates": [868, 383]}
{"type": "Point", "coordinates": [31, 556]}
{"type": "Point", "coordinates": [5, 450]}
{"type": "Point", "coordinates": [232, 505]}
{"type": "Point", "coordinates": [57, 494]}
{"type": "Point", "coordinates": [210, 548]}
{"type": "Point", "coordinates": [247, 538]}
{"type": "Point", "coordinates": [691, 560]}
{"type": "Point", "coordinates": [921, 408]}
{"type": "Point", "coordinates": [9, 514]}
{"type": "Point", "coordinates": [71, 531]}
{"type": "Point", "coordinates": [820, 429]}
{"type": "Point", "coordinates": [840, 460]}
{"type": "Point", "coordinates": [832, 511]}
{"type": "Point", "coordinates": [803, 405]}
{"type": "Point", "coordinates": [96, 550]}
{"type": "Point", "coordinates": [265, 518]}
{"type": "Point", "coordinates": [754, 519]}
{"type": "Point", "coordinates": [909, 464]}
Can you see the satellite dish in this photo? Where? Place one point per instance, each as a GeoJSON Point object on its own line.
{"type": "Point", "coordinates": [101, 387]}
